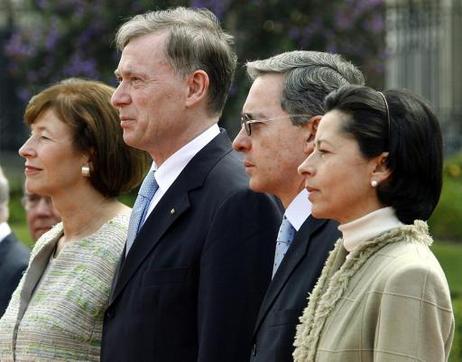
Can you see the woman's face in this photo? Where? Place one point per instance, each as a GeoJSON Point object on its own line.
{"type": "Point", "coordinates": [52, 163]}
{"type": "Point", "coordinates": [337, 176]}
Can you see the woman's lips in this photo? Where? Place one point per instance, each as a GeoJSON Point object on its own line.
{"type": "Point", "coordinates": [31, 170]}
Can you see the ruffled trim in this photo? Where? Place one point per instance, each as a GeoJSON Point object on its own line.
{"type": "Point", "coordinates": [332, 284]}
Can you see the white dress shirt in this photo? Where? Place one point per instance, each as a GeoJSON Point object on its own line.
{"type": "Point", "coordinates": [298, 210]}
{"type": "Point", "coordinates": [169, 171]}
{"type": "Point", "coordinates": [4, 231]}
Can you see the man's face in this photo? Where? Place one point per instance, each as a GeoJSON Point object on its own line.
{"type": "Point", "coordinates": [40, 214]}
{"type": "Point", "coordinates": [150, 96]}
{"type": "Point", "coordinates": [275, 147]}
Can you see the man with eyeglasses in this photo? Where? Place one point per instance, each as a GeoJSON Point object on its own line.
{"type": "Point", "coordinates": [41, 215]}
{"type": "Point", "coordinates": [13, 255]}
{"type": "Point", "coordinates": [279, 121]}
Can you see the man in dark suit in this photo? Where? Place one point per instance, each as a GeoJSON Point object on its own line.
{"type": "Point", "coordinates": [199, 247]}
{"type": "Point", "coordinates": [279, 120]}
{"type": "Point", "coordinates": [13, 255]}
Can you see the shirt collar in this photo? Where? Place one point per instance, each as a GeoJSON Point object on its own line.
{"type": "Point", "coordinates": [4, 231]}
{"type": "Point", "coordinates": [168, 172]}
{"type": "Point", "coordinates": [299, 209]}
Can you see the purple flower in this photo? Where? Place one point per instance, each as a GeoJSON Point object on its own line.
{"type": "Point", "coordinates": [79, 66]}
{"type": "Point", "coordinates": [52, 37]}
{"type": "Point", "coordinates": [41, 4]}
{"type": "Point", "coordinates": [24, 94]}
{"type": "Point", "coordinates": [342, 20]}
{"type": "Point", "coordinates": [375, 23]}
{"type": "Point", "coordinates": [18, 46]}
{"type": "Point", "coordinates": [218, 7]}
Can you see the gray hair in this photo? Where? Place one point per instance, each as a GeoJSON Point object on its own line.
{"type": "Point", "coordinates": [196, 41]}
{"type": "Point", "coordinates": [4, 197]}
{"type": "Point", "coordinates": [309, 76]}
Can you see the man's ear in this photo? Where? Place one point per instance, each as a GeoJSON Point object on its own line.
{"type": "Point", "coordinates": [380, 172]}
{"type": "Point", "coordinates": [310, 129]}
{"type": "Point", "coordinates": [198, 84]}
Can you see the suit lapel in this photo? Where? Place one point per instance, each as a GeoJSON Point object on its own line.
{"type": "Point", "coordinates": [292, 259]}
{"type": "Point", "coordinates": [158, 222]}
{"type": "Point", "coordinates": [172, 205]}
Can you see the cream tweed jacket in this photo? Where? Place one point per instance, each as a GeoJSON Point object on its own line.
{"type": "Point", "coordinates": [388, 301]}
{"type": "Point", "coordinates": [62, 319]}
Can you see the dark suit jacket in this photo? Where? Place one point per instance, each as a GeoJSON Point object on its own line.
{"type": "Point", "coordinates": [287, 294]}
{"type": "Point", "coordinates": [192, 283]}
{"type": "Point", "coordinates": [13, 261]}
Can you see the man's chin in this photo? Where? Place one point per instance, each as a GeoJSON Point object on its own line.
{"type": "Point", "coordinates": [256, 186]}
{"type": "Point", "coordinates": [129, 140]}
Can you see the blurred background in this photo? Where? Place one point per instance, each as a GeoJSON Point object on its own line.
{"type": "Point", "coordinates": [414, 44]}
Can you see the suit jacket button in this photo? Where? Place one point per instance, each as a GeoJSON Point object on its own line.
{"type": "Point", "coordinates": [109, 314]}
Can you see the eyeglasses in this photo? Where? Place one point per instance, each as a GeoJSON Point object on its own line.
{"type": "Point", "coordinates": [31, 201]}
{"type": "Point", "coordinates": [247, 121]}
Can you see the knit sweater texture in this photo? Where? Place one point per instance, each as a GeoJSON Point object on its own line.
{"type": "Point", "coordinates": [56, 313]}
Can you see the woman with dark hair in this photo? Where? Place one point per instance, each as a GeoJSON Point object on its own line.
{"type": "Point", "coordinates": [75, 155]}
{"type": "Point", "coordinates": [376, 168]}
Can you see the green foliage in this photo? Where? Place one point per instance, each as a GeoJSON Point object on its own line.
{"type": "Point", "coordinates": [456, 351]}
{"type": "Point", "coordinates": [450, 256]}
{"type": "Point", "coordinates": [445, 222]}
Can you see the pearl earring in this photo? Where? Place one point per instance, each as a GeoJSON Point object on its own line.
{"type": "Point", "coordinates": [374, 183]}
{"type": "Point", "coordinates": [86, 171]}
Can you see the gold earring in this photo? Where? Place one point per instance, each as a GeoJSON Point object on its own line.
{"type": "Point", "coordinates": [86, 171]}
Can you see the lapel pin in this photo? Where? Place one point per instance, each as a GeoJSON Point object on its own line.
{"type": "Point", "coordinates": [172, 211]}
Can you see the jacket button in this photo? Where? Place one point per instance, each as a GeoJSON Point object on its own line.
{"type": "Point", "coordinates": [109, 314]}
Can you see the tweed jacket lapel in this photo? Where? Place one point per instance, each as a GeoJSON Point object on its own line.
{"type": "Point", "coordinates": [38, 262]}
{"type": "Point", "coordinates": [172, 205]}
{"type": "Point", "coordinates": [292, 259]}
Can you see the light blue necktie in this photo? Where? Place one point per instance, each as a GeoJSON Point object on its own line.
{"type": "Point", "coordinates": [285, 236]}
{"type": "Point", "coordinates": [140, 208]}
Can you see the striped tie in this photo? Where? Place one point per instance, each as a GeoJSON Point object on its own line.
{"type": "Point", "coordinates": [285, 236]}
{"type": "Point", "coordinates": [140, 208]}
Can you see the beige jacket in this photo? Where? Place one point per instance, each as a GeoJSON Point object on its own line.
{"type": "Point", "coordinates": [389, 301]}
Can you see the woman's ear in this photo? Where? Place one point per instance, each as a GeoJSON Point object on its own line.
{"type": "Point", "coordinates": [88, 157]}
{"type": "Point", "coordinates": [310, 129]}
{"type": "Point", "coordinates": [381, 172]}
{"type": "Point", "coordinates": [198, 84]}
